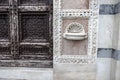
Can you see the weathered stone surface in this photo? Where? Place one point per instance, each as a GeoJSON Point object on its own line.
{"type": "Point", "coordinates": [77, 4]}
{"type": "Point", "coordinates": [75, 67]}
{"type": "Point", "coordinates": [74, 76]}
{"type": "Point", "coordinates": [12, 73]}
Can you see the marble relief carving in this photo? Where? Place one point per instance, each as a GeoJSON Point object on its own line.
{"type": "Point", "coordinates": [90, 13]}
{"type": "Point", "coordinates": [75, 31]}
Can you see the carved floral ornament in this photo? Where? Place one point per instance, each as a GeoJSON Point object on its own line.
{"type": "Point", "coordinates": [92, 15]}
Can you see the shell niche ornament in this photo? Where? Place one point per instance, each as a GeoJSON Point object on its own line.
{"type": "Point", "coordinates": [75, 31]}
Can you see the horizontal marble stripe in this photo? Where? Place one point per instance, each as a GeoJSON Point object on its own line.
{"type": "Point", "coordinates": [117, 8]}
{"type": "Point", "coordinates": [106, 9]}
{"type": "Point", "coordinates": [108, 53]}
{"type": "Point", "coordinates": [109, 9]}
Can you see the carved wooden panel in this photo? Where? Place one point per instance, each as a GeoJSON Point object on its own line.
{"type": "Point", "coordinates": [30, 53]}
{"type": "Point", "coordinates": [4, 2]}
{"type": "Point", "coordinates": [5, 50]}
{"type": "Point", "coordinates": [34, 2]}
{"type": "Point", "coordinates": [4, 27]}
{"type": "Point", "coordinates": [5, 53]}
{"type": "Point", "coordinates": [26, 33]}
{"type": "Point", "coordinates": [35, 27]}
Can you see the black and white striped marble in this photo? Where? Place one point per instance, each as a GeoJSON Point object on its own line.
{"type": "Point", "coordinates": [108, 53]}
{"type": "Point", "coordinates": [109, 9]}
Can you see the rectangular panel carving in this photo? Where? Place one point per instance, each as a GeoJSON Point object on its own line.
{"type": "Point", "coordinates": [35, 27]}
{"type": "Point", "coordinates": [76, 4]}
{"type": "Point", "coordinates": [26, 63]}
{"type": "Point", "coordinates": [5, 53]}
{"type": "Point", "coordinates": [74, 47]}
{"type": "Point", "coordinates": [4, 27]}
{"type": "Point", "coordinates": [34, 2]}
{"type": "Point", "coordinates": [34, 51]}
{"type": "Point", "coordinates": [4, 2]}
{"type": "Point", "coordinates": [30, 53]}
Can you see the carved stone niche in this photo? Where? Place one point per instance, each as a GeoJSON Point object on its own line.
{"type": "Point", "coordinates": [74, 40]}
{"type": "Point", "coordinates": [75, 31]}
{"type": "Point", "coordinates": [74, 4]}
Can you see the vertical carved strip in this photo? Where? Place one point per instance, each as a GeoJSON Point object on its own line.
{"type": "Point", "coordinates": [16, 28]}
{"type": "Point", "coordinates": [50, 28]}
{"type": "Point", "coordinates": [13, 10]}
{"type": "Point", "coordinates": [11, 26]}
{"type": "Point", "coordinates": [55, 28]}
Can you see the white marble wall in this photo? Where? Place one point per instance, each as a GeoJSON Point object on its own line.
{"type": "Point", "coordinates": [116, 33]}
{"type": "Point", "coordinates": [117, 24]}
{"type": "Point", "coordinates": [117, 27]}
{"type": "Point", "coordinates": [105, 31]}
{"type": "Point", "coordinates": [108, 28]}
{"type": "Point", "coordinates": [118, 71]}
{"type": "Point", "coordinates": [9, 73]}
{"type": "Point", "coordinates": [75, 71]}
{"type": "Point", "coordinates": [107, 38]}
{"type": "Point", "coordinates": [113, 69]}
{"type": "Point", "coordinates": [104, 68]}
{"type": "Point", "coordinates": [107, 1]}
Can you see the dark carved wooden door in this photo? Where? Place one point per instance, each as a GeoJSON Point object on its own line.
{"type": "Point", "coordinates": [26, 33]}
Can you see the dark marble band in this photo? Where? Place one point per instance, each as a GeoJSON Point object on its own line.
{"type": "Point", "coordinates": [117, 8]}
{"type": "Point", "coordinates": [108, 53]}
{"type": "Point", "coordinates": [109, 9]}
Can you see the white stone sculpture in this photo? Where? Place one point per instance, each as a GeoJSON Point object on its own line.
{"type": "Point", "coordinates": [75, 31]}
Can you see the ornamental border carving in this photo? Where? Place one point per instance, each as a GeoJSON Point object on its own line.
{"type": "Point", "coordinates": [92, 15]}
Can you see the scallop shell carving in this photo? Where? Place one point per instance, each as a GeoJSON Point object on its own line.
{"type": "Point", "coordinates": [75, 28]}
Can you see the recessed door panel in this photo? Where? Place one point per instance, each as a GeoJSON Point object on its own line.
{"type": "Point", "coordinates": [34, 2]}
{"type": "Point", "coordinates": [4, 27]}
{"type": "Point", "coordinates": [26, 33]}
{"type": "Point", "coordinates": [35, 27]}
{"type": "Point", "coordinates": [4, 2]}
